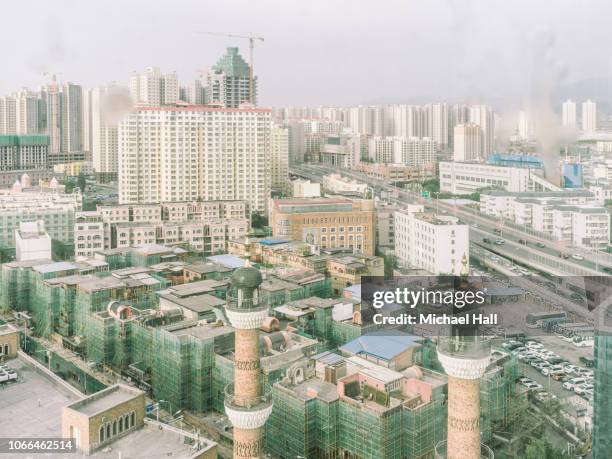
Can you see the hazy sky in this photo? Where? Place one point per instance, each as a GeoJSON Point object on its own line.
{"type": "Point", "coordinates": [316, 52]}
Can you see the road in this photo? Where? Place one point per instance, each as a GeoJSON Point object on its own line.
{"type": "Point", "coordinates": [546, 256]}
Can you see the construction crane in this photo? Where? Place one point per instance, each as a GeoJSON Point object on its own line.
{"type": "Point", "coordinates": [251, 39]}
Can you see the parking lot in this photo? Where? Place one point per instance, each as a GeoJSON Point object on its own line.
{"type": "Point", "coordinates": [533, 363]}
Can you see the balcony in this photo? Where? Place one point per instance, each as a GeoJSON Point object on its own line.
{"type": "Point", "coordinates": [485, 451]}
{"type": "Point", "coordinates": [248, 412]}
{"type": "Point", "coordinates": [468, 347]}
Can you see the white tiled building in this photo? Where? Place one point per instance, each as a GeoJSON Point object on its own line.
{"type": "Point", "coordinates": [189, 153]}
{"type": "Point", "coordinates": [572, 216]}
{"type": "Point", "coordinates": [468, 177]}
{"type": "Point", "coordinates": [436, 243]}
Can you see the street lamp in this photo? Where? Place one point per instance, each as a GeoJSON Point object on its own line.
{"type": "Point", "coordinates": [159, 402]}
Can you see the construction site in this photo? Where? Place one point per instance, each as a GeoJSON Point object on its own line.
{"type": "Point", "coordinates": [95, 326]}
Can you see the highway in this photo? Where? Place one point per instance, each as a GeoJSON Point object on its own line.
{"type": "Point", "coordinates": [539, 251]}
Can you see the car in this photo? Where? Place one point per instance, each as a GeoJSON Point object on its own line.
{"type": "Point", "coordinates": [565, 256]}
{"type": "Point", "coordinates": [569, 385]}
{"type": "Point", "coordinates": [545, 396]}
{"type": "Point", "coordinates": [497, 231]}
{"type": "Point", "coordinates": [12, 374]}
{"type": "Point", "coordinates": [499, 241]}
{"type": "Point", "coordinates": [577, 257]}
{"type": "Point", "coordinates": [522, 241]}
{"type": "Point", "coordinates": [570, 369]}
{"type": "Point", "coordinates": [540, 245]}
{"type": "Point", "coordinates": [486, 240]}
{"type": "Point", "coordinates": [558, 376]}
{"type": "Point", "coordinates": [534, 345]}
{"type": "Point", "coordinates": [524, 379]}
{"type": "Point", "coordinates": [576, 297]}
{"type": "Point", "coordinates": [4, 376]}
{"type": "Point", "coordinates": [534, 386]}
{"type": "Point", "coordinates": [581, 389]}
{"type": "Point", "coordinates": [586, 362]}
{"type": "Point", "coordinates": [608, 270]}
{"type": "Point", "coordinates": [552, 369]}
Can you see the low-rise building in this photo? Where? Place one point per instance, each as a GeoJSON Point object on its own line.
{"type": "Point", "coordinates": [326, 222]}
{"type": "Point", "coordinates": [32, 241]}
{"type": "Point", "coordinates": [9, 341]}
{"type": "Point", "coordinates": [306, 189]}
{"type": "Point", "coordinates": [337, 184]}
{"type": "Point", "coordinates": [469, 177]}
{"type": "Point", "coordinates": [88, 234]}
{"type": "Point", "coordinates": [48, 203]}
{"type": "Point", "coordinates": [436, 243]}
{"type": "Point", "coordinates": [103, 417]}
{"type": "Point", "coordinates": [348, 270]}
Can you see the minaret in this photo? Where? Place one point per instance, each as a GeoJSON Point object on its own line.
{"type": "Point", "coordinates": [465, 356]}
{"type": "Point", "coordinates": [248, 403]}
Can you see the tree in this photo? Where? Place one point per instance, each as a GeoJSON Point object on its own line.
{"type": "Point", "coordinates": [258, 220]}
{"type": "Point", "coordinates": [539, 448]}
{"type": "Point", "coordinates": [390, 262]}
{"type": "Point", "coordinates": [61, 251]}
{"type": "Point", "coordinates": [81, 181]}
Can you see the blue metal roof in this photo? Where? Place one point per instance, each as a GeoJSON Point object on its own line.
{"type": "Point", "coordinates": [328, 358]}
{"type": "Point", "coordinates": [274, 241]}
{"type": "Point", "coordinates": [384, 344]}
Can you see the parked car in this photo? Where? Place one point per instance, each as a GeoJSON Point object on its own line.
{"type": "Point", "coordinates": [522, 241]}
{"type": "Point", "coordinates": [540, 245]}
{"type": "Point", "coordinates": [581, 389]}
{"type": "Point", "coordinates": [4, 376]}
{"type": "Point", "coordinates": [486, 240]}
{"type": "Point", "coordinates": [499, 242]}
{"type": "Point", "coordinates": [569, 385]}
{"type": "Point", "coordinates": [534, 386]}
{"type": "Point", "coordinates": [577, 257]}
{"type": "Point", "coordinates": [587, 362]}
{"type": "Point", "coordinates": [558, 376]}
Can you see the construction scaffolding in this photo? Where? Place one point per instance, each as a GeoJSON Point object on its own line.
{"type": "Point", "coordinates": [423, 426]}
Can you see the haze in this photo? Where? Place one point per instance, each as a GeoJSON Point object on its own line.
{"type": "Point", "coordinates": [316, 52]}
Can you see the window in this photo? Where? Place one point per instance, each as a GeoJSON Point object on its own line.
{"type": "Point", "coordinates": [102, 434]}
{"type": "Point", "coordinates": [132, 419]}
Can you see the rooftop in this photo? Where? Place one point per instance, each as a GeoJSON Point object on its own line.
{"type": "Point", "coordinates": [199, 303]}
{"type": "Point", "coordinates": [105, 399]}
{"type": "Point", "coordinates": [384, 344]}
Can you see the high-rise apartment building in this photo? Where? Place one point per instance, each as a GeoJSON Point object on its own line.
{"type": "Point", "coordinates": [107, 105]}
{"type": "Point", "coordinates": [64, 118]}
{"type": "Point", "coordinates": [8, 115]}
{"type": "Point", "coordinates": [195, 152]}
{"type": "Point", "coordinates": [28, 107]}
{"type": "Point", "coordinates": [568, 115]}
{"type": "Point", "coordinates": [525, 126]}
{"type": "Point", "coordinates": [589, 116]}
{"type": "Point", "coordinates": [438, 124]}
{"type": "Point", "coordinates": [483, 116]}
{"type": "Point", "coordinates": [467, 142]}
{"type": "Point", "coordinates": [154, 88]}
{"type": "Point", "coordinates": [279, 158]}
{"type": "Point", "coordinates": [407, 121]}
{"type": "Point", "coordinates": [229, 82]}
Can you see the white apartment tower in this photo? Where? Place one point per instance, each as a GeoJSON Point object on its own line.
{"type": "Point", "coordinates": [568, 113]}
{"type": "Point", "coordinates": [467, 142]}
{"type": "Point", "coordinates": [279, 158]}
{"type": "Point", "coordinates": [195, 152]}
{"type": "Point", "coordinates": [589, 116]}
{"type": "Point", "coordinates": [64, 117]}
{"type": "Point", "coordinates": [483, 116]}
{"type": "Point", "coordinates": [107, 105]}
{"type": "Point", "coordinates": [153, 88]}
{"type": "Point", "coordinates": [438, 124]}
{"type": "Point", "coordinates": [8, 115]}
